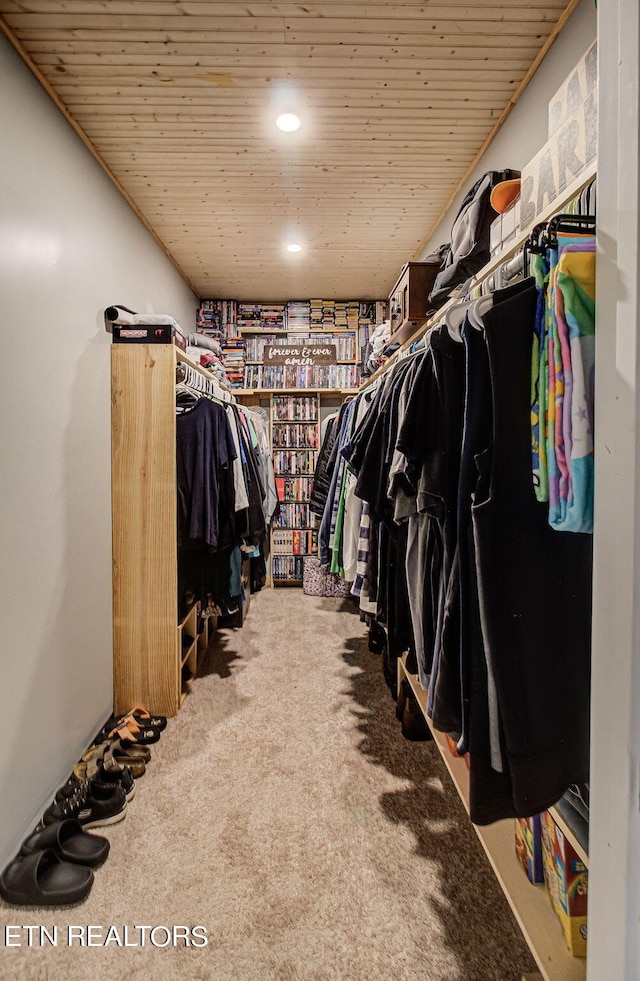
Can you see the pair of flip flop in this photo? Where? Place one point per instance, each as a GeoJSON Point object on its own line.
{"type": "Point", "coordinates": [54, 867]}
{"type": "Point", "coordinates": [138, 727]}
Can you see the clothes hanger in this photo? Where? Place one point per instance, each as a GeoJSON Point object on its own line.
{"type": "Point", "coordinates": [453, 319]}
{"type": "Point", "coordinates": [567, 223]}
{"type": "Point", "coordinates": [202, 385]}
{"type": "Point", "coordinates": [477, 309]}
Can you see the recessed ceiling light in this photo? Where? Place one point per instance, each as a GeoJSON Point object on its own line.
{"type": "Point", "coordinates": [288, 122]}
{"type": "Point", "coordinates": [294, 247]}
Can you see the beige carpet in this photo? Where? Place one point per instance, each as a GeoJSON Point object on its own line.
{"type": "Point", "coordinates": [284, 812]}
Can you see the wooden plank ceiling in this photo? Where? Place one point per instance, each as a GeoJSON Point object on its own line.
{"type": "Point", "coordinates": [179, 98]}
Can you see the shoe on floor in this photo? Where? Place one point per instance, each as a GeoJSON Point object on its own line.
{"type": "Point", "coordinates": [71, 788]}
{"type": "Point", "coordinates": [94, 806]}
{"type": "Point", "coordinates": [377, 638]}
{"type": "Point", "coordinates": [120, 777]}
{"type": "Point", "coordinates": [101, 766]}
{"type": "Point", "coordinates": [44, 879]}
{"type": "Point", "coordinates": [70, 842]}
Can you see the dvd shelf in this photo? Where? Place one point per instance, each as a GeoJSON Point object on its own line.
{"type": "Point", "coordinates": [295, 439]}
{"type": "Point", "coordinates": [244, 329]}
{"type": "Point", "coordinates": [288, 568]}
{"type": "Point", "coordinates": [294, 408]}
{"type": "Point", "coordinates": [294, 516]}
{"type": "Point", "coordinates": [294, 462]}
{"type": "Point", "coordinates": [294, 488]}
{"type": "Point", "coordinates": [290, 376]}
{"type": "Point", "coordinates": [295, 435]}
{"type": "Point", "coordinates": [298, 541]}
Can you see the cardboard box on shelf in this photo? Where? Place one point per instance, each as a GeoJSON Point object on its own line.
{"type": "Point", "coordinates": [511, 222]}
{"type": "Point", "coordinates": [495, 235]}
{"type": "Point", "coordinates": [566, 879]}
{"type": "Point", "coordinates": [528, 840]}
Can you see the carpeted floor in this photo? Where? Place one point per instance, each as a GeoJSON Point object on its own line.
{"type": "Point", "coordinates": [284, 812]}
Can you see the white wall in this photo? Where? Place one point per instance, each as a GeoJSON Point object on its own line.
{"type": "Point", "coordinates": [525, 130]}
{"type": "Point", "coordinates": [69, 246]}
{"type": "Point", "coordinates": [614, 853]}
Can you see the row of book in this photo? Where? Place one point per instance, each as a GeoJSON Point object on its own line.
{"type": "Point", "coordinates": [294, 488]}
{"type": "Point", "coordinates": [296, 408]}
{"type": "Point", "coordinates": [297, 435]}
{"type": "Point", "coordinates": [298, 315]}
{"type": "Point", "coordinates": [290, 376]}
{"type": "Point", "coordinates": [288, 567]}
{"type": "Point", "coordinates": [294, 462]}
{"type": "Point", "coordinates": [302, 314]}
{"type": "Point", "coordinates": [261, 316]}
{"type": "Point", "coordinates": [294, 542]}
{"type": "Point", "coordinates": [294, 516]}
{"type": "Point", "coordinates": [233, 358]}
{"type": "Point", "coordinates": [214, 315]}
{"type": "Point", "coordinates": [346, 344]}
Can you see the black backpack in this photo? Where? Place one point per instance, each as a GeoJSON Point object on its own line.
{"type": "Point", "coordinates": [469, 248]}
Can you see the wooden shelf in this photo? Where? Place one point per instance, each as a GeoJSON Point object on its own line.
{"type": "Point", "coordinates": [530, 904]}
{"type": "Point", "coordinates": [185, 359]}
{"type": "Point", "coordinates": [191, 650]}
{"type": "Point", "coordinates": [569, 834]}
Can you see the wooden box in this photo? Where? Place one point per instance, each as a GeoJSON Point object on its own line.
{"type": "Point", "coordinates": [408, 300]}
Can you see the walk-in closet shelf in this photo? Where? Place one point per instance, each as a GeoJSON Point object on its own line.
{"type": "Point", "coordinates": [151, 666]}
{"type": "Point", "coordinates": [530, 904]}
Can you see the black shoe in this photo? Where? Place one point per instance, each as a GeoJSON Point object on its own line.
{"type": "Point", "coordinates": [112, 775]}
{"type": "Point", "coordinates": [414, 724]}
{"type": "Point", "coordinates": [44, 879]}
{"type": "Point", "coordinates": [121, 777]}
{"type": "Point", "coordinates": [94, 806]}
{"type": "Point", "coordinates": [72, 788]}
{"type": "Point", "coordinates": [403, 695]}
{"type": "Point", "coordinates": [70, 842]}
{"type": "Point", "coordinates": [377, 638]}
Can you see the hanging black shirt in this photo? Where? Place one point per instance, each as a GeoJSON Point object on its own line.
{"type": "Point", "coordinates": [205, 452]}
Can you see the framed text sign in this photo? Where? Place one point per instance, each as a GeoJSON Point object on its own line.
{"type": "Point", "coordinates": [301, 354]}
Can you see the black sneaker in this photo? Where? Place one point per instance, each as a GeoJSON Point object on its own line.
{"type": "Point", "coordinates": [94, 806]}
{"type": "Point", "coordinates": [112, 776]}
{"type": "Point", "coordinates": [72, 788]}
{"type": "Point", "coordinates": [118, 777]}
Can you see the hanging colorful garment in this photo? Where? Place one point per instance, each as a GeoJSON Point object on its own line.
{"type": "Point", "coordinates": [554, 380]}
{"type": "Point", "coordinates": [540, 270]}
{"type": "Point", "coordinates": [574, 316]}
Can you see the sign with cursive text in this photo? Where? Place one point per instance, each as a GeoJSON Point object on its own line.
{"type": "Point", "coordinates": [301, 354]}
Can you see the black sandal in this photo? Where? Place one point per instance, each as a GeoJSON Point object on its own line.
{"type": "Point", "coordinates": [70, 842]}
{"type": "Point", "coordinates": [43, 879]}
